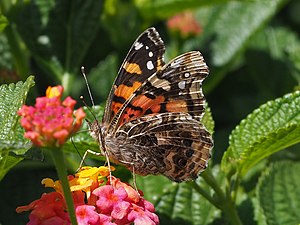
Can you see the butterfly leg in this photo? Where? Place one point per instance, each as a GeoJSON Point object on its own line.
{"type": "Point", "coordinates": [97, 154]}
{"type": "Point", "coordinates": [108, 164]}
{"type": "Point", "coordinates": [85, 155]}
{"type": "Point", "coordinates": [133, 175]}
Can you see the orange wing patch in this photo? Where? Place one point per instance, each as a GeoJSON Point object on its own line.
{"type": "Point", "coordinates": [125, 91]}
{"type": "Point", "coordinates": [177, 106]}
{"type": "Point", "coordinates": [115, 107]}
{"type": "Point", "coordinates": [140, 105]}
{"type": "Point", "coordinates": [122, 93]}
{"type": "Point", "coordinates": [145, 103]}
{"type": "Point", "coordinates": [132, 68]}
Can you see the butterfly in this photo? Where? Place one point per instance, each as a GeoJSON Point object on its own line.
{"type": "Point", "coordinates": [152, 119]}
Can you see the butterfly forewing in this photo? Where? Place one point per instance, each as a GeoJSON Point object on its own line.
{"type": "Point", "coordinates": [144, 58]}
{"type": "Point", "coordinates": [177, 87]}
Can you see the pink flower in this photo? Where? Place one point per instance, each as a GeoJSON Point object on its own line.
{"type": "Point", "coordinates": [51, 122]}
{"type": "Point", "coordinates": [110, 201]}
{"type": "Point", "coordinates": [133, 195]}
{"type": "Point", "coordinates": [185, 24]}
{"type": "Point", "coordinates": [124, 204]}
{"type": "Point", "coordinates": [116, 203]}
{"type": "Point", "coordinates": [87, 215]}
{"type": "Point", "coordinates": [143, 213]}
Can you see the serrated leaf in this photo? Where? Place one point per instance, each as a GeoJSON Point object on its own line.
{"type": "Point", "coordinates": [278, 193]}
{"type": "Point", "coordinates": [208, 120]}
{"type": "Point", "coordinates": [237, 22]}
{"type": "Point", "coordinates": [11, 133]}
{"type": "Point", "coordinates": [270, 128]}
{"type": "Point", "coordinates": [179, 203]}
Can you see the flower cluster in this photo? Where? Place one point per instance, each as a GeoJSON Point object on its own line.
{"type": "Point", "coordinates": [97, 202]}
{"type": "Point", "coordinates": [185, 24]}
{"type": "Point", "coordinates": [50, 122]}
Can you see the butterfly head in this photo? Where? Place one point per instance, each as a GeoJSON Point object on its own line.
{"type": "Point", "coordinates": [97, 130]}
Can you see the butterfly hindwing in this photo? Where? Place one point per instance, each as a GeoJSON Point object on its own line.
{"type": "Point", "coordinates": [144, 58]}
{"type": "Point", "coordinates": [173, 144]}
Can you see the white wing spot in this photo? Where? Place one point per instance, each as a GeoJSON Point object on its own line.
{"type": "Point", "coordinates": [181, 84]}
{"type": "Point", "coordinates": [138, 45]}
{"type": "Point", "coordinates": [150, 65]}
{"type": "Point", "coordinates": [147, 47]}
{"type": "Point", "coordinates": [150, 54]}
{"type": "Point", "coordinates": [186, 75]}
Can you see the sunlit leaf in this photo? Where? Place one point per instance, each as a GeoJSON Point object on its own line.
{"type": "Point", "coordinates": [11, 133]}
{"type": "Point", "coordinates": [278, 193]}
{"type": "Point", "coordinates": [270, 128]}
{"type": "Point", "coordinates": [237, 23]}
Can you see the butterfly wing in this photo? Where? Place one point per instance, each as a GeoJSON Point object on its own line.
{"type": "Point", "coordinates": [177, 87]}
{"type": "Point", "coordinates": [144, 58]}
{"type": "Point", "coordinates": [173, 144]}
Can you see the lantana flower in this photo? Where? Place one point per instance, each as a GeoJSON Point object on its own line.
{"type": "Point", "coordinates": [100, 199]}
{"type": "Point", "coordinates": [185, 24]}
{"type": "Point", "coordinates": [51, 121]}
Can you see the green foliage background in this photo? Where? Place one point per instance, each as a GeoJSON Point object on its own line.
{"type": "Point", "coordinates": [252, 48]}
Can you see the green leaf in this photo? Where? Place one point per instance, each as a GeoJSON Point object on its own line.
{"type": "Point", "coordinates": [11, 133]}
{"type": "Point", "coordinates": [237, 23]}
{"type": "Point", "coordinates": [103, 75]}
{"type": "Point", "coordinates": [76, 22]}
{"type": "Point", "coordinates": [179, 203]}
{"type": "Point", "coordinates": [278, 193]}
{"type": "Point", "coordinates": [80, 21]}
{"type": "Point", "coordinates": [282, 44]}
{"type": "Point", "coordinates": [83, 141]}
{"type": "Point", "coordinates": [166, 8]}
{"type": "Point", "coordinates": [3, 22]}
{"type": "Point", "coordinates": [208, 120]}
{"type": "Point", "coordinates": [268, 129]}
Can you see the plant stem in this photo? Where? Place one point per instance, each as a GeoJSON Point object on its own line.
{"type": "Point", "coordinates": [59, 161]}
{"type": "Point", "coordinates": [211, 181]}
{"type": "Point", "coordinates": [230, 212]}
{"type": "Point", "coordinates": [224, 201]}
{"type": "Point", "coordinates": [204, 193]}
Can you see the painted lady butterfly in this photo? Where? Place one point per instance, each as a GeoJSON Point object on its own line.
{"type": "Point", "coordinates": [151, 122]}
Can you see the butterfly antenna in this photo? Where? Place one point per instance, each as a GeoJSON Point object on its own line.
{"type": "Point", "coordinates": [89, 108]}
{"type": "Point", "coordinates": [72, 141]}
{"type": "Point", "coordinates": [87, 85]}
